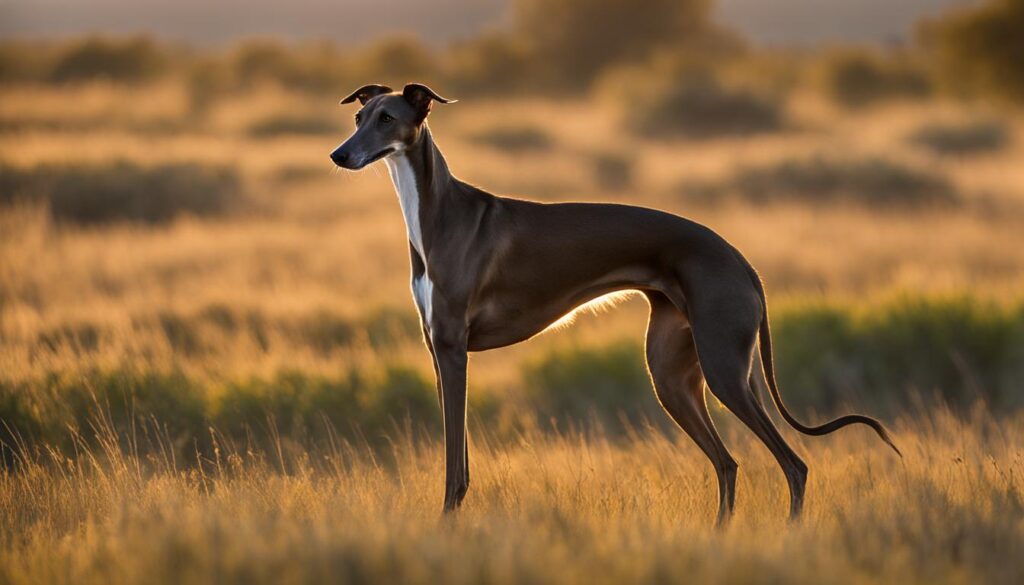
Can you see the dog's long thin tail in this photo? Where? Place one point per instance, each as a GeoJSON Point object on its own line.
{"type": "Point", "coordinates": [768, 366]}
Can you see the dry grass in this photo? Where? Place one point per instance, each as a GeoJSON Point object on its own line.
{"type": "Point", "coordinates": [565, 509]}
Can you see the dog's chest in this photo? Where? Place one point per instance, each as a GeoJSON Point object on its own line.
{"type": "Point", "coordinates": [408, 197]}
{"type": "Point", "coordinates": [423, 293]}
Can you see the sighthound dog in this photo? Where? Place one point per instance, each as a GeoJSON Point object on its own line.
{"type": "Point", "coordinates": [490, 271]}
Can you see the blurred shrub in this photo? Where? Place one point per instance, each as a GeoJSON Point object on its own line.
{"type": "Point", "coordinates": [400, 59]}
{"type": "Point", "coordinates": [673, 98]}
{"type": "Point", "coordinates": [206, 79]}
{"type": "Point", "coordinates": [401, 394]}
{"type": "Point", "coordinates": [169, 414]}
{"type": "Point", "coordinates": [259, 60]}
{"type": "Point", "coordinates": [494, 63]}
{"type": "Point", "coordinates": [886, 357]}
{"type": "Point", "coordinates": [609, 385]}
{"type": "Point", "coordinates": [126, 60]}
{"type": "Point", "coordinates": [286, 401]}
{"type": "Point", "coordinates": [217, 328]}
{"type": "Point", "coordinates": [91, 194]}
{"type": "Point", "coordinates": [976, 137]}
{"type": "Point", "coordinates": [514, 139]}
{"type": "Point", "coordinates": [325, 331]}
{"type": "Point", "coordinates": [318, 68]}
{"type": "Point", "coordinates": [285, 124]}
{"type": "Point", "coordinates": [856, 78]}
{"type": "Point", "coordinates": [613, 171]}
{"type": "Point", "coordinates": [875, 182]}
{"type": "Point", "coordinates": [551, 48]}
{"type": "Point", "coordinates": [91, 404]}
{"type": "Point", "coordinates": [298, 173]}
{"type": "Point", "coordinates": [155, 126]}
{"type": "Point", "coordinates": [389, 326]}
{"type": "Point", "coordinates": [960, 348]}
{"type": "Point", "coordinates": [573, 40]}
{"type": "Point", "coordinates": [23, 61]}
{"type": "Point", "coordinates": [979, 49]}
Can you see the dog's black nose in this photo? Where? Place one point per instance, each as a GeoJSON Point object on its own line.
{"type": "Point", "coordinates": [339, 157]}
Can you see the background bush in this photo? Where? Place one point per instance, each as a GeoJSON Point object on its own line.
{"type": "Point", "coordinates": [514, 139]}
{"type": "Point", "coordinates": [572, 41]}
{"type": "Point", "coordinates": [958, 349]}
{"type": "Point", "coordinates": [93, 194]}
{"type": "Point", "coordinates": [874, 182]}
{"type": "Point", "coordinates": [285, 124]}
{"type": "Point", "coordinates": [130, 60]}
{"type": "Point", "coordinates": [966, 138]}
{"type": "Point", "coordinates": [608, 385]}
{"type": "Point", "coordinates": [856, 78]}
{"type": "Point", "coordinates": [219, 326]}
{"type": "Point", "coordinates": [672, 98]}
{"type": "Point", "coordinates": [613, 171]}
{"type": "Point", "coordinates": [885, 358]}
{"type": "Point", "coordinates": [978, 49]}
{"type": "Point", "coordinates": [557, 47]}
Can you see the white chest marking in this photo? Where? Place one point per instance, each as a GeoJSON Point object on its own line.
{"type": "Point", "coordinates": [423, 292]}
{"type": "Point", "coordinates": [409, 198]}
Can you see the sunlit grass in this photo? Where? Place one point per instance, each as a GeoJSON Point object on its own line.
{"type": "Point", "coordinates": [542, 509]}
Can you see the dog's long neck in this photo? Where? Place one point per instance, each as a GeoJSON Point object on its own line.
{"type": "Point", "coordinates": [424, 187]}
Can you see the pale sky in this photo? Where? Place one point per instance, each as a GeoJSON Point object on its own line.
{"type": "Point", "coordinates": [437, 21]}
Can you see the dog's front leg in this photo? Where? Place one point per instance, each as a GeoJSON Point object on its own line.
{"type": "Point", "coordinates": [451, 360]}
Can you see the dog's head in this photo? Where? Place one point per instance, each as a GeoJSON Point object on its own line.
{"type": "Point", "coordinates": [388, 122]}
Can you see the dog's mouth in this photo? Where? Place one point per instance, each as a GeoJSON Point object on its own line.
{"type": "Point", "coordinates": [378, 156]}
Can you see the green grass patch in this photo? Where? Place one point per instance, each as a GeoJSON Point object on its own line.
{"type": "Point", "coordinates": [959, 349]}
{"type": "Point", "coordinates": [885, 358]}
{"type": "Point", "coordinates": [607, 385]}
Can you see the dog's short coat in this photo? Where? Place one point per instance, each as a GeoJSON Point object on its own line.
{"type": "Point", "coordinates": [491, 271]}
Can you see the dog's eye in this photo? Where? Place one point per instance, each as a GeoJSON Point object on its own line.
{"type": "Point", "coordinates": [386, 117]}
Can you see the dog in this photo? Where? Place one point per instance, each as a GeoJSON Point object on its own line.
{"type": "Point", "coordinates": [490, 271]}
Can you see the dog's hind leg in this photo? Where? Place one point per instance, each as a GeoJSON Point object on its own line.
{"type": "Point", "coordinates": [725, 332]}
{"type": "Point", "coordinates": [679, 384]}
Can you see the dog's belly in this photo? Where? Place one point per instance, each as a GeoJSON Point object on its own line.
{"type": "Point", "coordinates": [498, 326]}
{"type": "Point", "coordinates": [511, 316]}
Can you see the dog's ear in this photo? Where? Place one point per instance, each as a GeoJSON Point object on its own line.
{"type": "Point", "coordinates": [366, 93]}
{"type": "Point", "coordinates": [420, 97]}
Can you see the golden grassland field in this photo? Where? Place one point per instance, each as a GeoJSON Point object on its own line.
{"type": "Point", "coordinates": [211, 371]}
{"type": "Point", "coordinates": [564, 509]}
